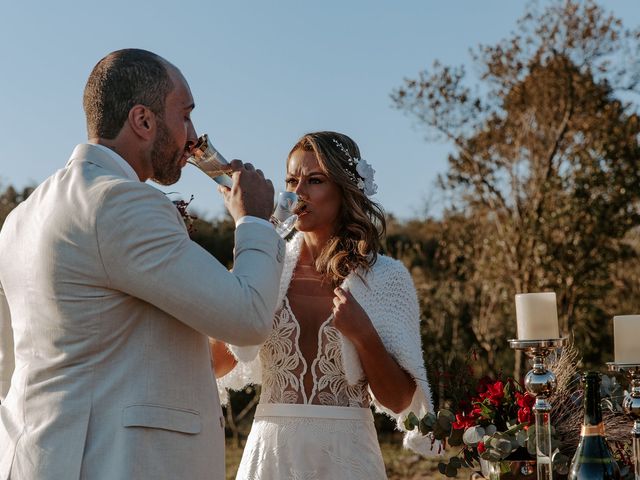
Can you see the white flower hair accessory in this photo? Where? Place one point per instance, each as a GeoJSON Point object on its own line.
{"type": "Point", "coordinates": [359, 171]}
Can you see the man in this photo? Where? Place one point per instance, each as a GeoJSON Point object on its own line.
{"type": "Point", "coordinates": [109, 305]}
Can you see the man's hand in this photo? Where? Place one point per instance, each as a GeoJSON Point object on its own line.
{"type": "Point", "coordinates": [251, 193]}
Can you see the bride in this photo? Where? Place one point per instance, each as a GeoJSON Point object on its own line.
{"type": "Point", "coordinates": [345, 336]}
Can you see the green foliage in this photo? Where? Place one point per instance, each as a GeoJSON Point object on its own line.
{"type": "Point", "coordinates": [216, 237]}
{"type": "Point", "coordinates": [10, 198]}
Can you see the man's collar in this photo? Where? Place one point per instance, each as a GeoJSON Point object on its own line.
{"type": "Point", "coordinates": [128, 169]}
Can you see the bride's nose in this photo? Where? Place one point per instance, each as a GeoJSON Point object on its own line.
{"type": "Point", "coordinates": [300, 190]}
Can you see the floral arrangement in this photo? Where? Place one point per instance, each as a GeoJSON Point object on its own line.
{"type": "Point", "coordinates": [181, 205]}
{"type": "Point", "coordinates": [493, 424]}
{"type": "Point", "coordinates": [493, 420]}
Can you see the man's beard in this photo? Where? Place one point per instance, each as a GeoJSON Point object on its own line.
{"type": "Point", "coordinates": [165, 159]}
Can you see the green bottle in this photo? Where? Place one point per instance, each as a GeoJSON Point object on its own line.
{"type": "Point", "coordinates": [593, 458]}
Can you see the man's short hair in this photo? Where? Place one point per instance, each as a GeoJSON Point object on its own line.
{"type": "Point", "coordinates": [120, 81]}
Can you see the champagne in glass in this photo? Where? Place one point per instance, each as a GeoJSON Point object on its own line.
{"type": "Point", "coordinates": [210, 161]}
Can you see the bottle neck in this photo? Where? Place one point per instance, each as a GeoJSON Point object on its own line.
{"type": "Point", "coordinates": [592, 408]}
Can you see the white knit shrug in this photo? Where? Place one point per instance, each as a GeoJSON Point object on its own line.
{"type": "Point", "coordinates": [389, 298]}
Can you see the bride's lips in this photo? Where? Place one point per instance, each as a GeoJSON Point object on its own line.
{"type": "Point", "coordinates": [301, 209]}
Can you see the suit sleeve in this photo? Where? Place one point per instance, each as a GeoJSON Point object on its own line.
{"type": "Point", "coordinates": [146, 253]}
{"type": "Point", "coordinates": [7, 359]}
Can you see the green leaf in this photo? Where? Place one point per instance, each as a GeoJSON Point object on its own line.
{"type": "Point", "coordinates": [455, 439]}
{"type": "Point", "coordinates": [427, 424]}
{"type": "Point", "coordinates": [490, 429]}
{"type": "Point", "coordinates": [444, 423]}
{"type": "Point", "coordinates": [473, 435]}
{"type": "Point", "coordinates": [451, 471]}
{"type": "Point", "coordinates": [448, 414]}
{"type": "Point", "coordinates": [411, 421]}
{"type": "Point", "coordinates": [531, 440]}
{"type": "Point", "coordinates": [469, 456]}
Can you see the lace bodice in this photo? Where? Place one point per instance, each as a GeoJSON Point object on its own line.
{"type": "Point", "coordinates": [295, 371]}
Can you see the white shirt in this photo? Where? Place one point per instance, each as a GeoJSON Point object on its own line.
{"type": "Point", "coordinates": [131, 173]}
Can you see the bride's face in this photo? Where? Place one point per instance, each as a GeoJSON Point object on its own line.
{"type": "Point", "coordinates": [319, 197]}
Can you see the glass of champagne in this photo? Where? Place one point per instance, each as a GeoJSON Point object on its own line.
{"type": "Point", "coordinates": [210, 161]}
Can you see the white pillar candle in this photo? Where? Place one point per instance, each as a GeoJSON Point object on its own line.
{"type": "Point", "coordinates": [537, 316]}
{"type": "Point", "coordinates": [626, 331]}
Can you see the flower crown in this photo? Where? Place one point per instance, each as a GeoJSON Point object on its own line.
{"type": "Point", "coordinates": [359, 172]}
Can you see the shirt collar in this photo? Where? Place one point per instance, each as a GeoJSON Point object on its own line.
{"type": "Point", "coordinates": [128, 169]}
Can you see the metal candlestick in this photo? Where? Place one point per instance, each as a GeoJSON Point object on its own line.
{"type": "Point", "coordinates": [631, 405]}
{"type": "Point", "coordinates": [541, 383]}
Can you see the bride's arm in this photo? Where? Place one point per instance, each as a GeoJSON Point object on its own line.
{"type": "Point", "coordinates": [222, 361]}
{"type": "Point", "coordinates": [392, 386]}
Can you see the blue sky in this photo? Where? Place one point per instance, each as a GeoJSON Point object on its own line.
{"type": "Point", "coordinates": [262, 74]}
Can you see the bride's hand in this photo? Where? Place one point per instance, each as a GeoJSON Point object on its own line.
{"type": "Point", "coordinates": [350, 318]}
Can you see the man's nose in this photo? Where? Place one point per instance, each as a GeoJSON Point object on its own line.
{"type": "Point", "coordinates": [192, 137]}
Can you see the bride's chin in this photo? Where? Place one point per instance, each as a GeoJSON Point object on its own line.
{"type": "Point", "coordinates": [301, 226]}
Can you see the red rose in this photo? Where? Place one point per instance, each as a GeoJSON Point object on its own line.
{"type": "Point", "coordinates": [494, 393]}
{"type": "Point", "coordinates": [524, 415]}
{"type": "Point", "coordinates": [481, 447]}
{"type": "Point", "coordinates": [464, 421]}
{"type": "Point", "coordinates": [525, 402]}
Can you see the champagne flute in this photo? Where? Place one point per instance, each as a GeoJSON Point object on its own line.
{"type": "Point", "coordinates": [210, 161]}
{"type": "Point", "coordinates": [283, 216]}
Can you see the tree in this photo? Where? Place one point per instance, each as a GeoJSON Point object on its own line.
{"type": "Point", "coordinates": [10, 198]}
{"type": "Point", "coordinates": [545, 166]}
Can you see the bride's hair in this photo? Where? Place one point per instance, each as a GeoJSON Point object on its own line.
{"type": "Point", "coordinates": [360, 225]}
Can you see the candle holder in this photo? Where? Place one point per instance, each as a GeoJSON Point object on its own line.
{"type": "Point", "coordinates": [541, 383]}
{"type": "Point", "coordinates": [631, 405]}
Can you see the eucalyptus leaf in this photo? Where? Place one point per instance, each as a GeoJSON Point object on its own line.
{"type": "Point", "coordinates": [473, 435]}
{"type": "Point", "coordinates": [491, 454]}
{"type": "Point", "coordinates": [531, 441]}
{"type": "Point", "coordinates": [445, 421]}
{"type": "Point", "coordinates": [411, 421]}
{"type": "Point", "coordinates": [503, 445]}
{"type": "Point", "coordinates": [444, 412]}
{"type": "Point", "coordinates": [455, 439]}
{"type": "Point", "coordinates": [427, 423]}
{"type": "Point", "coordinates": [451, 471]}
{"type": "Point", "coordinates": [438, 432]}
{"type": "Point", "coordinates": [490, 429]}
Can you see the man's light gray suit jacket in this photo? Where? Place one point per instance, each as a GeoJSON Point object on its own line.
{"type": "Point", "coordinates": [105, 309]}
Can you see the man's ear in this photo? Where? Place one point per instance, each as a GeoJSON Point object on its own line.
{"type": "Point", "coordinates": [142, 121]}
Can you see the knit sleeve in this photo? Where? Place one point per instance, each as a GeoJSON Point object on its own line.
{"type": "Point", "coordinates": [248, 371]}
{"type": "Point", "coordinates": [399, 328]}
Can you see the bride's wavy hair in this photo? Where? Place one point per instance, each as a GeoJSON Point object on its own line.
{"type": "Point", "coordinates": [360, 226]}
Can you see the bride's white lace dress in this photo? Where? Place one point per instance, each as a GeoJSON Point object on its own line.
{"type": "Point", "coordinates": [311, 424]}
